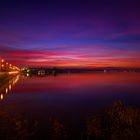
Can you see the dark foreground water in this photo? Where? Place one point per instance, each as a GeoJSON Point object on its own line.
{"type": "Point", "coordinates": [68, 98]}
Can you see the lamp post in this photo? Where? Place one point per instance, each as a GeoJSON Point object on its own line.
{"type": "Point", "coordinates": [6, 67]}
{"type": "Point", "coordinates": [2, 64]}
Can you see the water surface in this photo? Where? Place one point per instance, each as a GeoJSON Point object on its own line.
{"type": "Point", "coordinates": [70, 98]}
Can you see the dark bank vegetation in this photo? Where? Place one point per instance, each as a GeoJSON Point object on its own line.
{"type": "Point", "coordinates": [119, 122]}
{"type": "Point", "coordinates": [14, 127]}
{"type": "Point", "coordinates": [4, 79]}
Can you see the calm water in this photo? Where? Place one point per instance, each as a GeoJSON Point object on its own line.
{"type": "Point", "coordinates": [70, 98]}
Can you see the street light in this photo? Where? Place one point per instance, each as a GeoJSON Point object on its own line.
{"type": "Point", "coordinates": [2, 60]}
{"type": "Point", "coordinates": [5, 66]}
{"type": "Point", "coordinates": [2, 64]}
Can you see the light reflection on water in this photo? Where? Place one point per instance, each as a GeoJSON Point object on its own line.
{"type": "Point", "coordinates": [70, 97]}
{"type": "Point", "coordinates": [74, 86]}
{"type": "Point", "coordinates": [7, 86]}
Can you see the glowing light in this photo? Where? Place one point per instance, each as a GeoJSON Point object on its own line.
{"type": "Point", "coordinates": [17, 78]}
{"type": "Point", "coordinates": [1, 96]}
{"type": "Point", "coordinates": [6, 90]}
{"type": "Point", "coordinates": [10, 87]}
{"type": "Point", "coordinates": [28, 74]}
{"type": "Point", "coordinates": [2, 60]}
{"type": "Point", "coordinates": [13, 72]}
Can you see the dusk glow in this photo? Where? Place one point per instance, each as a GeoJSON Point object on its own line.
{"type": "Point", "coordinates": [69, 70]}
{"type": "Point", "coordinates": [70, 33]}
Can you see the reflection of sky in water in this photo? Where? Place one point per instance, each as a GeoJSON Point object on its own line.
{"type": "Point", "coordinates": [73, 83]}
{"type": "Point", "coordinates": [77, 88]}
{"type": "Point", "coordinates": [72, 97]}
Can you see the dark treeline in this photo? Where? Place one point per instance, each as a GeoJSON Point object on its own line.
{"type": "Point", "coordinates": [119, 122]}
{"type": "Point", "coordinates": [54, 71]}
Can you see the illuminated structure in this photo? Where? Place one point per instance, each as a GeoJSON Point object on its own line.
{"type": "Point", "coordinates": [8, 68]}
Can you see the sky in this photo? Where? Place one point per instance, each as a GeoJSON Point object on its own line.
{"type": "Point", "coordinates": [70, 33]}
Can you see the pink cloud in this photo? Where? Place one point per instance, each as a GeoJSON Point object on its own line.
{"type": "Point", "coordinates": [94, 57]}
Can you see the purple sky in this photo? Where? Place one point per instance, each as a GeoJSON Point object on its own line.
{"type": "Point", "coordinates": [88, 33]}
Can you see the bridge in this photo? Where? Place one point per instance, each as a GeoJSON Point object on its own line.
{"type": "Point", "coordinates": [7, 68]}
